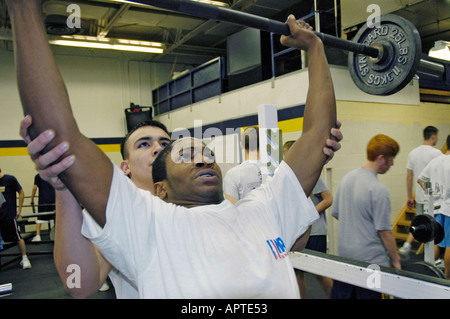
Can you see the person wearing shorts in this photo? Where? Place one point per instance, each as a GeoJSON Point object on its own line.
{"type": "Point", "coordinates": [46, 203]}
{"type": "Point", "coordinates": [9, 212]}
{"type": "Point", "coordinates": [418, 158]}
{"type": "Point", "coordinates": [438, 173]}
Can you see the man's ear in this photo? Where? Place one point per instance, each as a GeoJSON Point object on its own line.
{"type": "Point", "coordinates": [160, 190]}
{"type": "Point", "coordinates": [381, 159]}
{"type": "Point", "coordinates": [125, 167]}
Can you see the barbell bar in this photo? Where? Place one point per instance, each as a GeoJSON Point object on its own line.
{"type": "Point", "coordinates": [382, 59]}
{"type": "Point", "coordinates": [206, 11]}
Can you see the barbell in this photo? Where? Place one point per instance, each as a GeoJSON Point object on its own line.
{"type": "Point", "coordinates": [382, 59]}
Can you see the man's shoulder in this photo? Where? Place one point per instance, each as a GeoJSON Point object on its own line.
{"type": "Point", "coordinates": [433, 150]}
{"type": "Point", "coordinates": [416, 150]}
{"type": "Point", "coordinates": [424, 149]}
{"type": "Point", "coordinates": [360, 175]}
{"type": "Point", "coordinates": [9, 178]}
{"type": "Point", "coordinates": [356, 172]}
{"type": "Point", "coordinates": [244, 167]}
{"type": "Point", "coordinates": [438, 160]}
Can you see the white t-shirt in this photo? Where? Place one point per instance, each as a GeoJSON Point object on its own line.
{"type": "Point", "coordinates": [242, 179]}
{"type": "Point", "coordinates": [438, 173]}
{"type": "Point", "coordinates": [123, 287]}
{"type": "Point", "coordinates": [211, 251]}
{"type": "Point", "coordinates": [418, 158]}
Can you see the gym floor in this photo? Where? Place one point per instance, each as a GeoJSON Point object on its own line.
{"type": "Point", "coordinates": [42, 280]}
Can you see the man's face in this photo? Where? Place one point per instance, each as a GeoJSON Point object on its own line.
{"type": "Point", "coordinates": [385, 163]}
{"type": "Point", "coordinates": [434, 139]}
{"type": "Point", "coordinates": [193, 176]}
{"type": "Point", "coordinates": [143, 146]}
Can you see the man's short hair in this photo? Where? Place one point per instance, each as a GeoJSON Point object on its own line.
{"type": "Point", "coordinates": [123, 150]}
{"type": "Point", "coordinates": [429, 131]}
{"type": "Point", "coordinates": [381, 145]}
{"type": "Point", "coordinates": [250, 138]}
{"type": "Point", "coordinates": [448, 143]}
{"type": "Point", "coordinates": [159, 170]}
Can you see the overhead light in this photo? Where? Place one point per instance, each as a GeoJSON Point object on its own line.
{"type": "Point", "coordinates": [441, 50]}
{"type": "Point", "coordinates": [211, 2]}
{"type": "Point", "coordinates": [109, 44]}
{"type": "Point", "coordinates": [214, 3]}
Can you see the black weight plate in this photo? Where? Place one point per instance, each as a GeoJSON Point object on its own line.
{"type": "Point", "coordinates": [424, 268]}
{"type": "Point", "coordinates": [424, 228]}
{"type": "Point", "coordinates": [404, 48]}
{"type": "Point", "coordinates": [430, 229]}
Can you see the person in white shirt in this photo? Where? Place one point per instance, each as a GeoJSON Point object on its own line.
{"type": "Point", "coordinates": [418, 158]}
{"type": "Point", "coordinates": [187, 242]}
{"type": "Point", "coordinates": [438, 173]}
{"type": "Point", "coordinates": [138, 148]}
{"type": "Point", "coordinates": [246, 176]}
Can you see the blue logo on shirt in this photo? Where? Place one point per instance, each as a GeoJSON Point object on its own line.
{"type": "Point", "coordinates": [277, 247]}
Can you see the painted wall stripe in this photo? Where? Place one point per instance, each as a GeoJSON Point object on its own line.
{"type": "Point", "coordinates": [290, 120]}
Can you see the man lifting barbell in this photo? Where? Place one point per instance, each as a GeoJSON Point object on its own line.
{"type": "Point", "coordinates": [219, 266]}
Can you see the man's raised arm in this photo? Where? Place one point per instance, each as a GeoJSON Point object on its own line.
{"type": "Point", "coordinates": [306, 157]}
{"type": "Point", "coordinates": [44, 97]}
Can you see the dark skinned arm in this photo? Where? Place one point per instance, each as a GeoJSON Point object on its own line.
{"type": "Point", "coordinates": [44, 97]}
{"type": "Point", "coordinates": [306, 157]}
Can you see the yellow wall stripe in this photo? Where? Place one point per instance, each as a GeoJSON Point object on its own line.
{"type": "Point", "coordinates": [291, 125]}
{"type": "Point", "coordinates": [22, 151]}
{"type": "Point", "coordinates": [287, 126]}
{"type": "Point", "coordinates": [13, 151]}
{"type": "Point", "coordinates": [110, 148]}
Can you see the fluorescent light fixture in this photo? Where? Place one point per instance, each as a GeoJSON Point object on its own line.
{"type": "Point", "coordinates": [109, 44]}
{"type": "Point", "coordinates": [214, 3]}
{"type": "Point", "coordinates": [211, 2]}
{"type": "Point", "coordinates": [441, 50]}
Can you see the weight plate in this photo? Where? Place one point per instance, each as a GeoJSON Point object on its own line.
{"type": "Point", "coordinates": [402, 50]}
{"type": "Point", "coordinates": [424, 268]}
{"type": "Point", "coordinates": [426, 228]}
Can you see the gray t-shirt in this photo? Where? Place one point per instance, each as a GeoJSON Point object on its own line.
{"type": "Point", "coordinates": [320, 226]}
{"type": "Point", "coordinates": [363, 207]}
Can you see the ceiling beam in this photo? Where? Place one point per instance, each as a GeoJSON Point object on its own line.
{"type": "Point", "coordinates": [116, 16]}
{"type": "Point", "coordinates": [209, 24]}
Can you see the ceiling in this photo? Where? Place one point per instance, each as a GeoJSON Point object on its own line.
{"type": "Point", "coordinates": [193, 40]}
